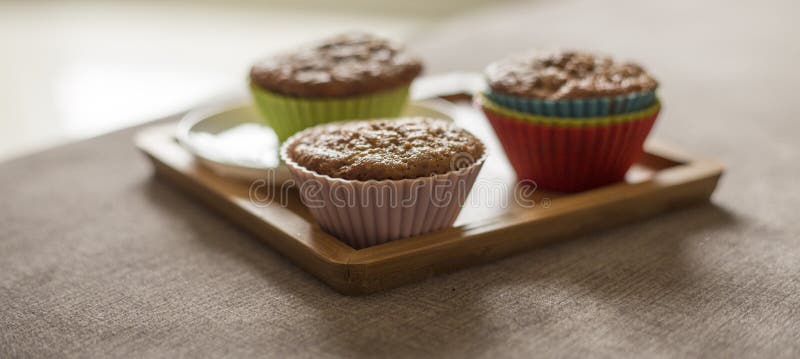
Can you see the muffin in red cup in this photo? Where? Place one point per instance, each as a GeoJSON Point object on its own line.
{"type": "Point", "coordinates": [568, 154]}
{"type": "Point", "coordinates": [569, 84]}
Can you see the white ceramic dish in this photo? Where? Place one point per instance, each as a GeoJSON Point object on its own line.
{"type": "Point", "coordinates": [231, 140]}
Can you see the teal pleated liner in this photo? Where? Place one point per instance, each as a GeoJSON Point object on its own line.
{"type": "Point", "coordinates": [590, 107]}
{"type": "Point", "coordinates": [288, 115]}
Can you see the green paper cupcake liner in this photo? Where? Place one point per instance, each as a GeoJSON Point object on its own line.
{"type": "Point", "coordinates": [288, 115]}
{"type": "Point", "coordinates": [577, 108]}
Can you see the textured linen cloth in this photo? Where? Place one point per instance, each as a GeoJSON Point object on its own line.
{"type": "Point", "coordinates": [99, 259]}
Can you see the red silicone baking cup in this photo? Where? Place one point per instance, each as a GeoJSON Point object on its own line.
{"type": "Point", "coordinates": [571, 158]}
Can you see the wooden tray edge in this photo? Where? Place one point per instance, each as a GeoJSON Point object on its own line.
{"type": "Point", "coordinates": [354, 272]}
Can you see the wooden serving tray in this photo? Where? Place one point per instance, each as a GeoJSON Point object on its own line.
{"type": "Point", "coordinates": [492, 224]}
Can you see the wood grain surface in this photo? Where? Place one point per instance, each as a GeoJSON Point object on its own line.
{"type": "Point", "coordinates": [665, 178]}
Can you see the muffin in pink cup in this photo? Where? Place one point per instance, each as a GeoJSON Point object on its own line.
{"type": "Point", "coordinates": [373, 181]}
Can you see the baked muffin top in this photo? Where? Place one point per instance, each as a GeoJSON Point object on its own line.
{"type": "Point", "coordinates": [386, 149]}
{"type": "Point", "coordinates": [348, 64]}
{"type": "Point", "coordinates": [567, 75]}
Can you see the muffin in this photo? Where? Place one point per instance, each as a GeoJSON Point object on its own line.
{"type": "Point", "coordinates": [372, 181]}
{"type": "Point", "coordinates": [570, 121]}
{"type": "Point", "coordinates": [347, 76]}
{"type": "Point", "coordinates": [569, 84]}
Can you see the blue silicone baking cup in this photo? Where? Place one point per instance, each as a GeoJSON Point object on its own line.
{"type": "Point", "coordinates": [589, 107]}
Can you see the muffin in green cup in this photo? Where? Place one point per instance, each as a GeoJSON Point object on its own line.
{"type": "Point", "coordinates": [347, 76]}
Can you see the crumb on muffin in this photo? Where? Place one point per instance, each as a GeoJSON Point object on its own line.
{"type": "Point", "coordinates": [348, 64]}
{"type": "Point", "coordinates": [391, 149]}
{"type": "Point", "coordinates": [567, 75]}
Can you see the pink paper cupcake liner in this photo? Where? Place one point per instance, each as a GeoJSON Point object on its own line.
{"type": "Point", "coordinates": [368, 213]}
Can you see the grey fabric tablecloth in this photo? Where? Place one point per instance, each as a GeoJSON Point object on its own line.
{"type": "Point", "coordinates": [97, 258]}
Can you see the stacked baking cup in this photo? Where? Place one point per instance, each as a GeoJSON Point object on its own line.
{"type": "Point", "coordinates": [576, 143]}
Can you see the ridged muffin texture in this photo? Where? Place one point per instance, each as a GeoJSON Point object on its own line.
{"type": "Point", "coordinates": [567, 75]}
{"type": "Point", "coordinates": [344, 65]}
{"type": "Point", "coordinates": [391, 149]}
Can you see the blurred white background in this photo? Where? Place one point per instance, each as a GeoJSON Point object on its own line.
{"type": "Point", "coordinates": [72, 70]}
